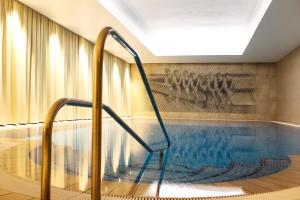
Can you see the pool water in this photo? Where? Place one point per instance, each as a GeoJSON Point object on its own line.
{"type": "Point", "coordinates": [208, 152]}
{"type": "Point", "coordinates": [200, 151]}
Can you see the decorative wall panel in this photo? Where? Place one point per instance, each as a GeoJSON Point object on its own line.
{"type": "Point", "coordinates": [209, 91]}
{"type": "Point", "coordinates": [188, 91]}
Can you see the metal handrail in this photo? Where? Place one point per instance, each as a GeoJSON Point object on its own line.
{"type": "Point", "coordinates": [96, 115]}
{"type": "Point", "coordinates": [139, 64]}
{"type": "Point", "coordinates": [47, 137]}
{"type": "Point", "coordinates": [97, 99]}
{"type": "Point", "coordinates": [126, 127]}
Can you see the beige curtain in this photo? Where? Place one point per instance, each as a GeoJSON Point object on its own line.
{"type": "Point", "coordinates": [40, 61]}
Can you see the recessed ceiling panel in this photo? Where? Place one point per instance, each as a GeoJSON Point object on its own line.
{"type": "Point", "coordinates": [190, 27]}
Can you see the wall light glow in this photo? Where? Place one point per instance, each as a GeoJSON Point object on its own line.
{"type": "Point", "coordinates": [127, 93]}
{"type": "Point", "coordinates": [116, 82]}
{"type": "Point", "coordinates": [54, 47]}
{"type": "Point", "coordinates": [83, 168]}
{"type": "Point", "coordinates": [126, 110]}
{"type": "Point", "coordinates": [116, 105]}
{"type": "Point", "coordinates": [57, 73]}
{"type": "Point", "coordinates": [19, 36]}
{"type": "Point", "coordinates": [83, 65]}
{"type": "Point", "coordinates": [16, 47]}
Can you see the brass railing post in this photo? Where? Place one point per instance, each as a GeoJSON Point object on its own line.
{"type": "Point", "coordinates": [46, 142]}
{"type": "Point", "coordinates": [46, 149]}
{"type": "Point", "coordinates": [97, 113]}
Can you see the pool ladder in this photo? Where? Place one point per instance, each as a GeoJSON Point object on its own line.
{"type": "Point", "coordinates": [97, 107]}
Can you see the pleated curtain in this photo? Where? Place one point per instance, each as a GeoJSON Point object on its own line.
{"type": "Point", "coordinates": [41, 61]}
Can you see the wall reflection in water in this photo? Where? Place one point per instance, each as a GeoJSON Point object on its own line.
{"type": "Point", "coordinates": [71, 152]}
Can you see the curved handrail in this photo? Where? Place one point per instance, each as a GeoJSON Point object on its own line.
{"type": "Point", "coordinates": [96, 115]}
{"type": "Point", "coordinates": [139, 64]}
{"type": "Point", "coordinates": [46, 144]}
{"type": "Point", "coordinates": [126, 127]}
{"type": "Point", "coordinates": [47, 137]}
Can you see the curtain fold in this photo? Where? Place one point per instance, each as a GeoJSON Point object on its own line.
{"type": "Point", "coordinates": [2, 114]}
{"type": "Point", "coordinates": [40, 61]}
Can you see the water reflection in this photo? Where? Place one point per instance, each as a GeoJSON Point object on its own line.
{"type": "Point", "coordinates": [127, 144]}
{"type": "Point", "coordinates": [84, 163]}
{"type": "Point", "coordinates": [162, 164]}
{"type": "Point", "coordinates": [199, 152]}
{"type": "Point", "coordinates": [116, 148]}
{"type": "Point", "coordinates": [71, 154]}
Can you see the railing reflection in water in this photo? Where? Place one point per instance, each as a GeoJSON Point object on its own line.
{"type": "Point", "coordinates": [71, 152]}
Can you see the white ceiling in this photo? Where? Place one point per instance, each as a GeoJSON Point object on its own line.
{"type": "Point", "coordinates": [277, 34]}
{"type": "Point", "coordinates": [190, 27]}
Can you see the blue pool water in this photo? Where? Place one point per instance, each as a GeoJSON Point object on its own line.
{"type": "Point", "coordinates": [205, 152]}
{"type": "Point", "coordinates": [200, 152]}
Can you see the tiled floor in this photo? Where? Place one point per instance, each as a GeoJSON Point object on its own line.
{"type": "Point", "coordinates": [6, 195]}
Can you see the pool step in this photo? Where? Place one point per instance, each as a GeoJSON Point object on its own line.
{"type": "Point", "coordinates": [236, 171]}
{"type": "Point", "coordinates": [208, 174]}
{"type": "Point", "coordinates": [247, 171]}
{"type": "Point", "coordinates": [269, 166]}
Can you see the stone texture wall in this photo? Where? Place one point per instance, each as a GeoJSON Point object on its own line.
{"type": "Point", "coordinates": [207, 91]}
{"type": "Point", "coordinates": [288, 88]}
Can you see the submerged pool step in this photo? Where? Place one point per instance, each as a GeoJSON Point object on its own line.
{"type": "Point", "coordinates": [208, 174]}
{"type": "Point", "coordinates": [234, 172]}
{"type": "Point", "coordinates": [269, 166]}
{"type": "Point", "coordinates": [245, 171]}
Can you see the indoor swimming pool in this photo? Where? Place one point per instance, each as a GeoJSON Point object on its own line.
{"type": "Point", "coordinates": [201, 153]}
